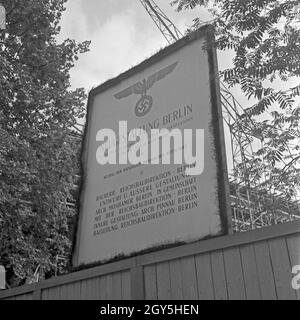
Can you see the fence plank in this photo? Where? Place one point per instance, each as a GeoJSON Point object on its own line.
{"type": "Point", "coordinates": [126, 288]}
{"type": "Point", "coordinates": [250, 273]}
{"type": "Point", "coordinates": [89, 289]}
{"type": "Point", "coordinates": [204, 277]}
{"type": "Point", "coordinates": [109, 287]}
{"type": "Point", "coordinates": [282, 269]}
{"type": "Point", "coordinates": [24, 297]}
{"type": "Point", "coordinates": [10, 298]}
{"type": "Point", "coordinates": [189, 279]}
{"type": "Point", "coordinates": [45, 294]}
{"type": "Point", "coordinates": [85, 289]}
{"type": "Point", "coordinates": [63, 292]}
{"type": "Point", "coordinates": [150, 280]}
{"type": "Point", "coordinates": [103, 292]}
{"type": "Point", "coordinates": [37, 294]}
{"type": "Point", "coordinates": [70, 292]}
{"type": "Point", "coordinates": [293, 243]}
{"type": "Point", "coordinates": [163, 281]}
{"type": "Point", "coordinates": [234, 274]}
{"type": "Point", "coordinates": [116, 286]}
{"type": "Point", "coordinates": [73, 291]}
{"type": "Point", "coordinates": [176, 280]}
{"type": "Point", "coordinates": [137, 283]}
{"type": "Point", "coordinates": [218, 274]}
{"type": "Point", "coordinates": [219, 243]}
{"type": "Point", "coordinates": [54, 293]}
{"type": "Point", "coordinates": [265, 272]}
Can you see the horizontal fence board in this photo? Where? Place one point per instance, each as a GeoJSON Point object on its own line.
{"type": "Point", "coordinates": [220, 243]}
{"type": "Point", "coordinates": [253, 265]}
{"type": "Point", "coordinates": [293, 243]}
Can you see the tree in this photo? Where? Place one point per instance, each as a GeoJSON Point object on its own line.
{"type": "Point", "coordinates": [38, 154]}
{"type": "Point", "coordinates": [264, 38]}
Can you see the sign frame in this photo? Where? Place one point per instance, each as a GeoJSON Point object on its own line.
{"type": "Point", "coordinates": [206, 32]}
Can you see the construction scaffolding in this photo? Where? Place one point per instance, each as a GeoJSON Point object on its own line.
{"type": "Point", "coordinates": [253, 205]}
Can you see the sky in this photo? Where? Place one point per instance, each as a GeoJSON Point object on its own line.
{"type": "Point", "coordinates": [122, 35]}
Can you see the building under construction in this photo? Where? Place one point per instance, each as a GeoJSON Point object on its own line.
{"type": "Point", "coordinates": [254, 204]}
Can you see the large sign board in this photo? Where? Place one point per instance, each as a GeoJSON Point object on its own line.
{"type": "Point", "coordinates": [127, 209]}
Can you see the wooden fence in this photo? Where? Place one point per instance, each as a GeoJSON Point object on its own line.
{"type": "Point", "coordinates": [252, 265]}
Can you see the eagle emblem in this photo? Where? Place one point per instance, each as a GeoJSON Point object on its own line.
{"type": "Point", "coordinates": [144, 105]}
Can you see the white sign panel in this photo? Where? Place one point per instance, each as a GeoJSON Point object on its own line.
{"type": "Point", "coordinates": [128, 208]}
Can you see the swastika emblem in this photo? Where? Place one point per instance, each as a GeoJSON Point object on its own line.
{"type": "Point", "coordinates": [143, 106]}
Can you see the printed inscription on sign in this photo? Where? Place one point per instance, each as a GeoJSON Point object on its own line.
{"type": "Point", "coordinates": [152, 169]}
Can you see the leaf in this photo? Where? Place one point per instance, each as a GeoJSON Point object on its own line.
{"type": "Point", "coordinates": [38, 154]}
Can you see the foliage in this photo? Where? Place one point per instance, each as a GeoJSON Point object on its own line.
{"type": "Point", "coordinates": [38, 158]}
{"type": "Point", "coordinates": [264, 38]}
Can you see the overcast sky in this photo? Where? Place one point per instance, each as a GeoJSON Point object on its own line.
{"type": "Point", "coordinates": [122, 35]}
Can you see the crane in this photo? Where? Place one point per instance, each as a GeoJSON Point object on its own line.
{"type": "Point", "coordinates": [164, 24]}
